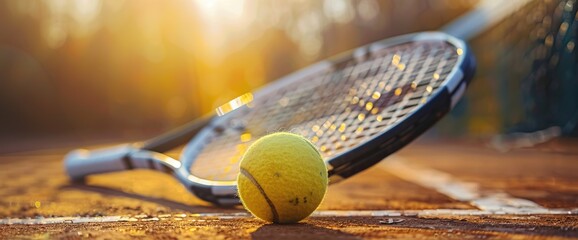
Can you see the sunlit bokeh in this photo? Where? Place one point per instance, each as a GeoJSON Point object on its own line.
{"type": "Point", "coordinates": [96, 66]}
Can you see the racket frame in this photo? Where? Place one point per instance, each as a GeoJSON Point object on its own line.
{"type": "Point", "coordinates": [80, 163]}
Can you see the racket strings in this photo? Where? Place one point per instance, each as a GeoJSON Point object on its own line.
{"type": "Point", "coordinates": [338, 109]}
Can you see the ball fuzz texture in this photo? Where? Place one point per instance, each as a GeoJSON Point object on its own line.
{"type": "Point", "coordinates": [283, 178]}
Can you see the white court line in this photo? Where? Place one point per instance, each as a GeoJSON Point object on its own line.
{"type": "Point", "coordinates": [206, 217]}
{"type": "Point", "coordinates": [495, 201]}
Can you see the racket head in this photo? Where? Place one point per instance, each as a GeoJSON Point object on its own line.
{"type": "Point", "coordinates": [357, 108]}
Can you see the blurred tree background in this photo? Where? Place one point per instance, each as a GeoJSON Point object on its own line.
{"type": "Point", "coordinates": [94, 67]}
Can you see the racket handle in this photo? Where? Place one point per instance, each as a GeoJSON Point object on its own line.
{"type": "Point", "coordinates": [81, 162]}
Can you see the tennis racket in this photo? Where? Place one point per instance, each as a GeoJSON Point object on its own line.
{"type": "Point", "coordinates": [357, 108]}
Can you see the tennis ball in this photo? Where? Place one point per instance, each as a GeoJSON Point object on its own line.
{"type": "Point", "coordinates": [282, 179]}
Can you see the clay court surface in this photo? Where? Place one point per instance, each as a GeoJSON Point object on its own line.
{"type": "Point", "coordinates": [430, 189]}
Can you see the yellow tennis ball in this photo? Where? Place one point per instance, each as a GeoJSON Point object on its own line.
{"type": "Point", "coordinates": [283, 178]}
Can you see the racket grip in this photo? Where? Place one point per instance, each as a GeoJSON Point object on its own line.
{"type": "Point", "coordinates": [81, 162]}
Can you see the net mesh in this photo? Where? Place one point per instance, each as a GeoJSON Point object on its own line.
{"type": "Point", "coordinates": [527, 65]}
{"type": "Point", "coordinates": [337, 109]}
